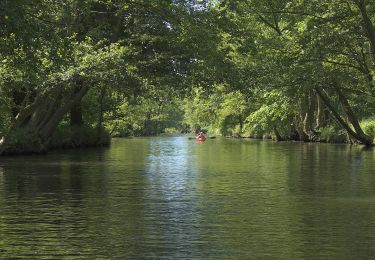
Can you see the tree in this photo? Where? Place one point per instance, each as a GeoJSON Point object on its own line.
{"type": "Point", "coordinates": [54, 54]}
{"type": "Point", "coordinates": [314, 48]}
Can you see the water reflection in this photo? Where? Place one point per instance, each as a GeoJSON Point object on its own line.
{"type": "Point", "coordinates": [170, 174]}
{"type": "Point", "coordinates": [1, 175]}
{"type": "Point", "coordinates": [176, 198]}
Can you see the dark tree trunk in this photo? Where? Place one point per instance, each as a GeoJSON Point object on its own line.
{"type": "Point", "coordinates": [42, 116]}
{"type": "Point", "coordinates": [240, 120]}
{"type": "Point", "coordinates": [368, 25]}
{"type": "Point", "coordinates": [18, 98]}
{"type": "Point", "coordinates": [277, 134]}
{"type": "Point", "coordinates": [76, 117]}
{"type": "Point", "coordinates": [352, 118]}
{"type": "Point", "coordinates": [357, 133]}
{"type": "Point", "coordinates": [101, 114]}
{"type": "Point", "coordinates": [50, 127]}
{"type": "Point", "coordinates": [308, 122]}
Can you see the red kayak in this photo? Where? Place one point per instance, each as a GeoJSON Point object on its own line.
{"type": "Point", "coordinates": [200, 138]}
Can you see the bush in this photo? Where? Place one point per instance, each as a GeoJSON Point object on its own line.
{"type": "Point", "coordinates": [24, 141]}
{"type": "Point", "coordinates": [257, 132]}
{"type": "Point", "coordinates": [237, 131]}
{"type": "Point", "coordinates": [368, 127]}
{"type": "Point", "coordinates": [4, 124]}
{"type": "Point", "coordinates": [78, 136]}
{"type": "Point", "coordinates": [171, 131]}
{"type": "Point", "coordinates": [332, 134]}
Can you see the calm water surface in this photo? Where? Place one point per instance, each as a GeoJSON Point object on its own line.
{"type": "Point", "coordinates": [175, 198]}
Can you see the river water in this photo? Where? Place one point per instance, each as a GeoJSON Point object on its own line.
{"type": "Point", "coordinates": [174, 198]}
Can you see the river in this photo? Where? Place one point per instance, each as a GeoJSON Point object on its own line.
{"type": "Point", "coordinates": [174, 198]}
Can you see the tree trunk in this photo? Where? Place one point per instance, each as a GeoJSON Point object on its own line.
{"type": "Point", "coordinates": [240, 120]}
{"type": "Point", "coordinates": [299, 124]}
{"type": "Point", "coordinates": [368, 25]}
{"type": "Point", "coordinates": [50, 127]}
{"type": "Point", "coordinates": [293, 133]}
{"type": "Point", "coordinates": [277, 134]}
{"type": "Point", "coordinates": [101, 115]}
{"type": "Point", "coordinates": [18, 97]}
{"type": "Point", "coordinates": [321, 118]}
{"type": "Point", "coordinates": [349, 112]}
{"type": "Point", "coordinates": [308, 122]}
{"type": "Point", "coordinates": [42, 116]}
{"type": "Point", "coordinates": [357, 133]}
{"type": "Point", "coordinates": [76, 118]}
{"type": "Point", "coordinates": [302, 135]}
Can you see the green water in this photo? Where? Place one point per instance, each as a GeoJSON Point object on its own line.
{"type": "Point", "coordinates": [175, 198]}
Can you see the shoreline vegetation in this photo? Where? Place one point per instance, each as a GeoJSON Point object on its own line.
{"type": "Point", "coordinates": [72, 137]}
{"type": "Point", "coordinates": [74, 75]}
{"type": "Point", "coordinates": [65, 137]}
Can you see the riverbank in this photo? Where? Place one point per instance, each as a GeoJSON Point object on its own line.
{"type": "Point", "coordinates": [65, 137]}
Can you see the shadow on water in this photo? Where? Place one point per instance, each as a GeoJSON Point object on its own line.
{"type": "Point", "coordinates": [177, 198]}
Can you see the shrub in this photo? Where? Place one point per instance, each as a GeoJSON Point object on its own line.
{"type": "Point", "coordinates": [257, 132]}
{"type": "Point", "coordinates": [78, 136]}
{"type": "Point", "coordinates": [25, 141]}
{"type": "Point", "coordinates": [332, 134]}
{"type": "Point", "coordinates": [170, 131]}
{"type": "Point", "coordinates": [368, 127]}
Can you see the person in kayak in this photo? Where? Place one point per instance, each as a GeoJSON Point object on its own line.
{"type": "Point", "coordinates": [201, 137]}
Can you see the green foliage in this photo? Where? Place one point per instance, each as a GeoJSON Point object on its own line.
{"type": "Point", "coordinates": [332, 134]}
{"type": "Point", "coordinates": [171, 131]}
{"type": "Point", "coordinates": [24, 141]}
{"type": "Point", "coordinates": [78, 136]}
{"type": "Point", "coordinates": [220, 111]}
{"type": "Point", "coordinates": [4, 119]}
{"type": "Point", "coordinates": [231, 67]}
{"type": "Point", "coordinates": [369, 127]}
{"type": "Point", "coordinates": [144, 116]}
{"type": "Point", "coordinates": [200, 110]}
{"type": "Point", "coordinates": [276, 110]}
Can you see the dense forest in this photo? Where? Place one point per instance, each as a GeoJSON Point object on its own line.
{"type": "Point", "coordinates": [76, 72]}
